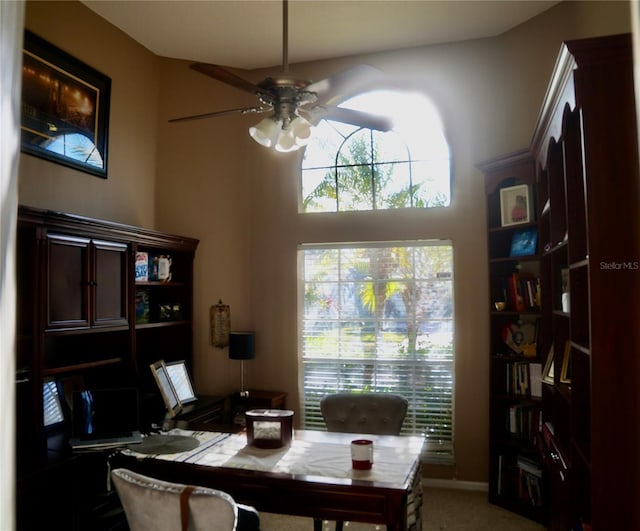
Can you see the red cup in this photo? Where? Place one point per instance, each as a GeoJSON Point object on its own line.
{"type": "Point", "coordinates": [362, 454]}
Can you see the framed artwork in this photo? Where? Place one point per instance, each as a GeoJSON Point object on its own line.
{"type": "Point", "coordinates": [521, 338]}
{"type": "Point", "coordinates": [65, 108]}
{"type": "Point", "coordinates": [515, 205]}
{"type": "Point", "coordinates": [523, 242]}
{"type": "Point", "coordinates": [548, 371]}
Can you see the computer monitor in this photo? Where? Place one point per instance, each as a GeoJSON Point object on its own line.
{"type": "Point", "coordinates": [52, 407]}
{"type": "Point", "coordinates": [167, 390]}
{"type": "Point", "coordinates": [179, 376]}
{"type": "Point", "coordinates": [105, 418]}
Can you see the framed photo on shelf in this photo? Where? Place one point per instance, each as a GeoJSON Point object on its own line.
{"type": "Point", "coordinates": [521, 338]}
{"type": "Point", "coordinates": [515, 205]}
{"type": "Point", "coordinates": [65, 108]}
{"type": "Point", "coordinates": [565, 373]}
{"type": "Point", "coordinates": [548, 371]}
{"type": "Point", "coordinates": [523, 242]}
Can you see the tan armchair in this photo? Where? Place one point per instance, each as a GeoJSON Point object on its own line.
{"type": "Point", "coordinates": [375, 413]}
{"type": "Point", "coordinates": [152, 504]}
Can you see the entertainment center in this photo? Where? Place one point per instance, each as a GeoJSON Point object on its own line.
{"type": "Point", "coordinates": [79, 326]}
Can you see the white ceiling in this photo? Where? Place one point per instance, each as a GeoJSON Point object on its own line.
{"type": "Point", "coordinates": [248, 33]}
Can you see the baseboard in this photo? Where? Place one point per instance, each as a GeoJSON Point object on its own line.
{"type": "Point", "coordinates": [455, 484]}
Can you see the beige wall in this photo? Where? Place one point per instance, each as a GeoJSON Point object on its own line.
{"type": "Point", "coordinates": [213, 183]}
{"type": "Point", "coordinates": [127, 195]}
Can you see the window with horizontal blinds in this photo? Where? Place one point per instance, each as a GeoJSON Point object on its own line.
{"type": "Point", "coordinates": [52, 408]}
{"type": "Point", "coordinates": [379, 317]}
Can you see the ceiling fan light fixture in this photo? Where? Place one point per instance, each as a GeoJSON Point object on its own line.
{"type": "Point", "coordinates": [267, 131]}
{"type": "Point", "coordinates": [286, 142]}
{"type": "Point", "coordinates": [288, 95]}
{"type": "Point", "coordinates": [302, 130]}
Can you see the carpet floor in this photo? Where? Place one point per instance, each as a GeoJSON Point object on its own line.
{"type": "Point", "coordinates": [444, 510]}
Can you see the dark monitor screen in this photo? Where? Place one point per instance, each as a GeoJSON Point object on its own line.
{"type": "Point", "coordinates": [104, 412]}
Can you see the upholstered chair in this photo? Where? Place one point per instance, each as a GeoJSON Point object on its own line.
{"type": "Point", "coordinates": [373, 413]}
{"type": "Point", "coordinates": [152, 504]}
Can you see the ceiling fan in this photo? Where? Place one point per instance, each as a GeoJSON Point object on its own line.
{"type": "Point", "coordinates": [296, 103]}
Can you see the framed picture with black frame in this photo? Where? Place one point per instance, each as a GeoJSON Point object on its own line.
{"type": "Point", "coordinates": [65, 108]}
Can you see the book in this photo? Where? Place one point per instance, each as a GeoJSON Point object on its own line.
{"type": "Point", "coordinates": [142, 306]}
{"type": "Point", "coordinates": [142, 267]}
{"type": "Point", "coordinates": [535, 379]}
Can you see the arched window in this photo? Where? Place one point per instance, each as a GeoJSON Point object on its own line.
{"type": "Point", "coordinates": [347, 168]}
{"type": "Point", "coordinates": [379, 315]}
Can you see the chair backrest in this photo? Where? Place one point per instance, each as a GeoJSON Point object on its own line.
{"type": "Point", "coordinates": [375, 413]}
{"type": "Point", "coordinates": [152, 504]}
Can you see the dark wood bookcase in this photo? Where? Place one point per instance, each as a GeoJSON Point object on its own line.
{"type": "Point", "coordinates": [585, 153]}
{"type": "Point", "coordinates": [516, 471]}
{"type": "Point", "coordinates": [78, 325]}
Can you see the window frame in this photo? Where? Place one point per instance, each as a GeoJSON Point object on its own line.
{"type": "Point", "coordinates": [439, 448]}
{"type": "Point", "coordinates": [436, 196]}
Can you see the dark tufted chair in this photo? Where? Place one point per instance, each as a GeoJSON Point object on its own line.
{"type": "Point", "coordinates": [374, 413]}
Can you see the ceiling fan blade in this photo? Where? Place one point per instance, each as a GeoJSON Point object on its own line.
{"type": "Point", "coordinates": [346, 83]}
{"type": "Point", "coordinates": [243, 110]}
{"type": "Point", "coordinates": [221, 74]}
{"type": "Point", "coordinates": [353, 117]}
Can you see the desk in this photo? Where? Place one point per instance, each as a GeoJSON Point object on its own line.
{"type": "Point", "coordinates": [313, 477]}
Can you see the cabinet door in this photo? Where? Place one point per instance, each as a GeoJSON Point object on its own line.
{"type": "Point", "coordinates": [67, 282]}
{"type": "Point", "coordinates": [109, 284]}
{"type": "Point", "coordinates": [86, 283]}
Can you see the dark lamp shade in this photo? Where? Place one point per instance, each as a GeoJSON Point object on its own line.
{"type": "Point", "coordinates": [242, 345]}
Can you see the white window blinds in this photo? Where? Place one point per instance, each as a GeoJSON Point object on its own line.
{"type": "Point", "coordinates": [379, 317]}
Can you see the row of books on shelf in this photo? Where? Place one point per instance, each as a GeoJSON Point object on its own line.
{"type": "Point", "coordinates": [523, 477]}
{"type": "Point", "coordinates": [524, 379]}
{"type": "Point", "coordinates": [523, 421]}
{"type": "Point", "coordinates": [521, 292]}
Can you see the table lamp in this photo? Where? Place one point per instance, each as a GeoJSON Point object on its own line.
{"type": "Point", "coordinates": [242, 347]}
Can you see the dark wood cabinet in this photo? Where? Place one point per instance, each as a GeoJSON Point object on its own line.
{"type": "Point", "coordinates": [86, 282]}
{"type": "Point", "coordinates": [585, 152]}
{"type": "Point", "coordinates": [77, 326]}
